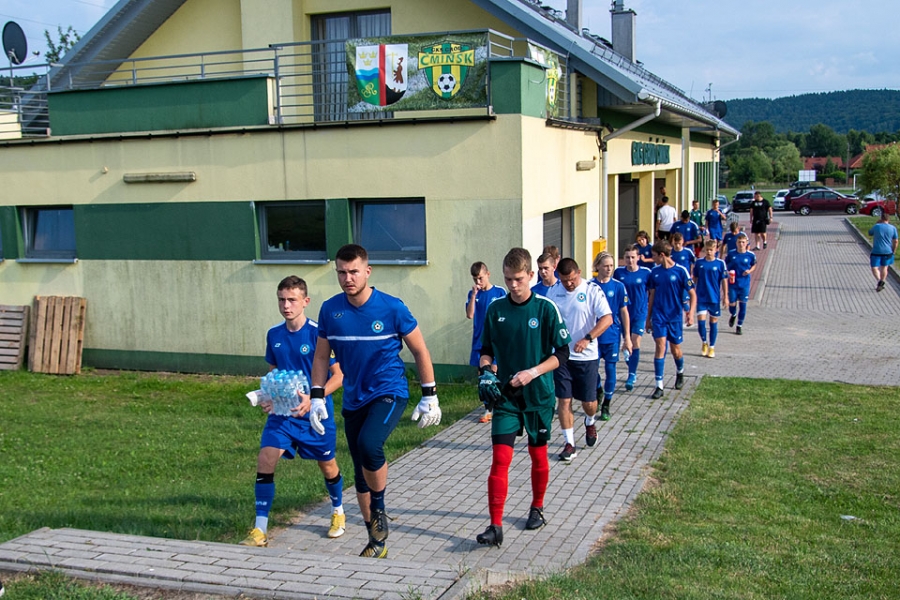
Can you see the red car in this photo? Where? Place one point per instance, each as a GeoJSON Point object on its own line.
{"type": "Point", "coordinates": [876, 208]}
{"type": "Point", "coordinates": [824, 200]}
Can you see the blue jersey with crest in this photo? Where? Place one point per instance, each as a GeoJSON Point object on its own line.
{"type": "Point", "coordinates": [669, 287]}
{"type": "Point", "coordinates": [685, 258]}
{"type": "Point", "coordinates": [294, 350]}
{"type": "Point", "coordinates": [740, 262]}
{"type": "Point", "coordinates": [636, 287]}
{"type": "Point", "coordinates": [616, 297]}
{"type": "Point", "coordinates": [709, 275]}
{"type": "Point", "coordinates": [367, 341]}
{"type": "Point", "coordinates": [689, 231]}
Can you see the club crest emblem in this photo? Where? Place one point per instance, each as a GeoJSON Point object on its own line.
{"type": "Point", "coordinates": [533, 323]}
{"type": "Point", "coordinates": [377, 326]}
{"type": "Point", "coordinates": [381, 75]}
{"type": "Point", "coordinates": [305, 348]}
{"type": "Point", "coordinates": [581, 297]}
{"type": "Point", "coordinates": [446, 66]}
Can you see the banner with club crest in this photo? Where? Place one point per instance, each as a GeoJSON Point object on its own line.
{"type": "Point", "coordinates": [417, 72]}
{"type": "Point", "coordinates": [553, 74]}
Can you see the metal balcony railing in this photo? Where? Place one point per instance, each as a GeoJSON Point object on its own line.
{"type": "Point", "coordinates": [311, 80]}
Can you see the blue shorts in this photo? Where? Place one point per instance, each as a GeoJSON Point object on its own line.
{"type": "Point", "coordinates": [881, 260]}
{"type": "Point", "coordinates": [713, 308]}
{"type": "Point", "coordinates": [608, 352]}
{"type": "Point", "coordinates": [738, 293]}
{"type": "Point", "coordinates": [296, 437]}
{"type": "Point", "coordinates": [671, 330]}
{"type": "Point", "coordinates": [577, 379]}
{"type": "Point", "coordinates": [638, 324]}
{"type": "Point", "coordinates": [367, 428]}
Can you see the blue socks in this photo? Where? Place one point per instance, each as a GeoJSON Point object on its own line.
{"type": "Point", "coordinates": [742, 312]}
{"type": "Point", "coordinates": [633, 361]}
{"type": "Point", "coordinates": [701, 327]}
{"type": "Point", "coordinates": [713, 332]}
{"type": "Point", "coordinates": [265, 493]}
{"type": "Point", "coordinates": [609, 384]}
{"type": "Point", "coordinates": [659, 369]}
{"type": "Point", "coordinates": [376, 500]}
{"type": "Point", "coordinates": [335, 489]}
{"type": "Point", "coordinates": [679, 365]}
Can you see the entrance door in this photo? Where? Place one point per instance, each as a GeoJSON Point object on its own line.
{"type": "Point", "coordinates": [629, 214]}
{"type": "Point", "coordinates": [558, 228]}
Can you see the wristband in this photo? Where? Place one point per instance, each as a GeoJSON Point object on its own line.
{"type": "Point", "coordinates": [317, 392]}
{"type": "Point", "coordinates": [534, 373]}
{"type": "Point", "coordinates": [429, 389]}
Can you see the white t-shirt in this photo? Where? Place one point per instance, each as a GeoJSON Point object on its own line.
{"type": "Point", "coordinates": [580, 309]}
{"type": "Point", "coordinates": [667, 217]}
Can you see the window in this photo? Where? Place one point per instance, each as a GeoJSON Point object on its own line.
{"type": "Point", "coordinates": [292, 231]}
{"type": "Point", "coordinates": [391, 231]}
{"type": "Point", "coordinates": [50, 232]}
{"type": "Point", "coordinates": [330, 33]}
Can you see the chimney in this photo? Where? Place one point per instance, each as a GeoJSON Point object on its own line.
{"type": "Point", "coordinates": [623, 40]}
{"type": "Point", "coordinates": [573, 14]}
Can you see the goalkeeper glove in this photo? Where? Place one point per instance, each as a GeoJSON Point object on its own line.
{"type": "Point", "coordinates": [429, 410]}
{"type": "Point", "coordinates": [488, 388]}
{"type": "Point", "coordinates": [318, 412]}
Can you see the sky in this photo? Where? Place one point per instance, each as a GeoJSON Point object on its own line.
{"type": "Point", "coordinates": [711, 49]}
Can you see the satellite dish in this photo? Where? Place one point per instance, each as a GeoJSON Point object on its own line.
{"type": "Point", "coordinates": [15, 46]}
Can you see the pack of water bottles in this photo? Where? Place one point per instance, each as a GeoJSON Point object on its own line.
{"type": "Point", "coordinates": [282, 387]}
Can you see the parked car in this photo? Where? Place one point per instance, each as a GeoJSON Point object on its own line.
{"type": "Point", "coordinates": [796, 191]}
{"type": "Point", "coordinates": [724, 205]}
{"type": "Point", "coordinates": [742, 201]}
{"type": "Point", "coordinates": [876, 208]}
{"type": "Point", "coordinates": [778, 200]}
{"type": "Point", "coordinates": [824, 200]}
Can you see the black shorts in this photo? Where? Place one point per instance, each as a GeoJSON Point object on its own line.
{"type": "Point", "coordinates": [759, 226]}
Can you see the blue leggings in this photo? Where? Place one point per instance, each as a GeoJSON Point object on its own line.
{"type": "Point", "coordinates": [367, 429]}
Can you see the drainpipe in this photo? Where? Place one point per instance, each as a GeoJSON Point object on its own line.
{"type": "Point", "coordinates": [604, 172]}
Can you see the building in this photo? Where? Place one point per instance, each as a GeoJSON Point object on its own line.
{"type": "Point", "coordinates": [199, 151]}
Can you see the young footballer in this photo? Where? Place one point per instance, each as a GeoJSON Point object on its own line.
{"type": "Point", "coordinates": [685, 258]}
{"type": "Point", "coordinates": [584, 309]}
{"type": "Point", "coordinates": [711, 283]}
{"type": "Point", "coordinates": [690, 232]}
{"type": "Point", "coordinates": [635, 278]}
{"type": "Point", "coordinates": [729, 240]}
{"type": "Point", "coordinates": [645, 249]}
{"type": "Point", "coordinates": [668, 284]}
{"type": "Point", "coordinates": [743, 263]}
{"type": "Point", "coordinates": [291, 346]}
{"type": "Point", "coordinates": [714, 222]}
{"type": "Point", "coordinates": [524, 340]}
{"type": "Point", "coordinates": [547, 279]}
{"type": "Point", "coordinates": [608, 342]}
{"type": "Point", "coordinates": [479, 298]}
{"type": "Point", "coordinates": [366, 330]}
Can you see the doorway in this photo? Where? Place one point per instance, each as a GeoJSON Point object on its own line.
{"type": "Point", "coordinates": [629, 214]}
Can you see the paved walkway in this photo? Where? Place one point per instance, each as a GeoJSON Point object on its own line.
{"type": "Point", "coordinates": [814, 316]}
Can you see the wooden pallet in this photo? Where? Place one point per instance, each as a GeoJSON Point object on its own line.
{"type": "Point", "coordinates": [13, 330]}
{"type": "Point", "coordinates": [57, 334]}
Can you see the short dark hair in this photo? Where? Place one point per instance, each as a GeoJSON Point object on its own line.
{"type": "Point", "coordinates": [350, 252]}
{"type": "Point", "coordinates": [293, 282]}
{"type": "Point", "coordinates": [517, 260]}
{"type": "Point", "coordinates": [665, 199]}
{"type": "Point", "coordinates": [567, 266]}
{"type": "Point", "coordinates": [477, 267]}
{"type": "Point", "coordinates": [545, 257]}
{"type": "Point", "coordinates": [662, 247]}
{"type": "Point", "coordinates": [686, 214]}
{"type": "Point", "coordinates": [677, 237]}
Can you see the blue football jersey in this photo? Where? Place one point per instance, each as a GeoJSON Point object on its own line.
{"type": "Point", "coordinates": [636, 287]}
{"type": "Point", "coordinates": [689, 231]}
{"type": "Point", "coordinates": [709, 275]}
{"type": "Point", "coordinates": [730, 242]}
{"type": "Point", "coordinates": [714, 224]}
{"type": "Point", "coordinates": [483, 299]}
{"type": "Point", "coordinates": [645, 255]}
{"type": "Point", "coordinates": [685, 258]}
{"type": "Point", "coordinates": [669, 287]}
{"type": "Point", "coordinates": [367, 341]}
{"type": "Point", "coordinates": [542, 290]}
{"type": "Point", "coordinates": [616, 297]}
{"type": "Point", "coordinates": [740, 262]}
{"type": "Point", "coordinates": [293, 350]}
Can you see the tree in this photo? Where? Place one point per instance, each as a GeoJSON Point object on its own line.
{"type": "Point", "coordinates": [762, 135]}
{"type": "Point", "coordinates": [749, 166]}
{"type": "Point", "coordinates": [67, 39]}
{"type": "Point", "coordinates": [881, 171]}
{"type": "Point", "coordinates": [858, 141]}
{"type": "Point", "coordinates": [823, 141]}
{"type": "Point", "coordinates": [786, 162]}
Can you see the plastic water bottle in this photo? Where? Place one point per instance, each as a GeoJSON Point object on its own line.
{"type": "Point", "coordinates": [626, 354]}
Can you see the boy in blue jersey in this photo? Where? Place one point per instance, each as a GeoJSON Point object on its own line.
{"type": "Point", "coordinates": [477, 302]}
{"type": "Point", "coordinates": [668, 284]}
{"type": "Point", "coordinates": [711, 283]}
{"type": "Point", "coordinates": [743, 263]}
{"type": "Point", "coordinates": [714, 222]}
{"type": "Point", "coordinates": [689, 231]}
{"type": "Point", "coordinates": [645, 249]}
{"type": "Point", "coordinates": [884, 245]}
{"type": "Point", "coordinates": [547, 279]}
{"type": "Point", "coordinates": [635, 278]}
{"type": "Point", "coordinates": [729, 240]}
{"type": "Point", "coordinates": [366, 330]}
{"type": "Point", "coordinates": [685, 258]}
{"type": "Point", "coordinates": [291, 346]}
{"type": "Point", "coordinates": [608, 342]}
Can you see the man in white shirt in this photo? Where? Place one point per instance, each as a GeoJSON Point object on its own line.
{"type": "Point", "coordinates": [586, 312]}
{"type": "Point", "coordinates": [665, 218]}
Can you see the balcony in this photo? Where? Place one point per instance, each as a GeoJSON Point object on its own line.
{"type": "Point", "coordinates": [294, 84]}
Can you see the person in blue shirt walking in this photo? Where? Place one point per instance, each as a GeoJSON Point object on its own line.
{"type": "Point", "coordinates": [482, 294]}
{"type": "Point", "coordinates": [290, 346]}
{"type": "Point", "coordinates": [547, 279]}
{"type": "Point", "coordinates": [743, 263]}
{"type": "Point", "coordinates": [884, 245]}
{"type": "Point", "coordinates": [729, 240]}
{"type": "Point", "coordinates": [711, 283]}
{"type": "Point", "coordinates": [635, 278]}
{"type": "Point", "coordinates": [689, 231]}
{"type": "Point", "coordinates": [685, 258]}
{"type": "Point", "coordinates": [366, 330]}
{"type": "Point", "coordinates": [608, 342]}
{"type": "Point", "coordinates": [667, 286]}
{"type": "Point", "coordinates": [645, 249]}
{"type": "Point", "coordinates": [714, 222]}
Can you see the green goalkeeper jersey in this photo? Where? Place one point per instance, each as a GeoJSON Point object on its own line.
{"type": "Point", "coordinates": [522, 336]}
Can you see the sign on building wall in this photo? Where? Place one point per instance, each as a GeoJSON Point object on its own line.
{"type": "Point", "coordinates": [643, 153]}
{"type": "Point", "coordinates": [417, 72]}
{"type": "Point", "coordinates": [553, 73]}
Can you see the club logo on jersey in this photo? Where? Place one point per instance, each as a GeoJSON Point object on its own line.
{"type": "Point", "coordinates": [305, 348]}
{"type": "Point", "coordinates": [611, 293]}
{"type": "Point", "coordinates": [672, 278]}
{"type": "Point", "coordinates": [278, 344]}
{"type": "Point", "coordinates": [533, 323]}
{"type": "Point", "coordinates": [337, 315]}
{"type": "Point", "coordinates": [639, 280]}
{"type": "Point", "coordinates": [377, 326]}
{"type": "Point", "coordinates": [581, 297]}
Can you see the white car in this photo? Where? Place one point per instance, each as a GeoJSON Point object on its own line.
{"type": "Point", "coordinates": [778, 200]}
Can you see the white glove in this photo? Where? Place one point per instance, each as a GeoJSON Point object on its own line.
{"type": "Point", "coordinates": [430, 411]}
{"type": "Point", "coordinates": [318, 412]}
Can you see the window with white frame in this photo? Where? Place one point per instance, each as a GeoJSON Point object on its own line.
{"type": "Point", "coordinates": [391, 230]}
{"type": "Point", "coordinates": [292, 230]}
{"type": "Point", "coordinates": [49, 232]}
